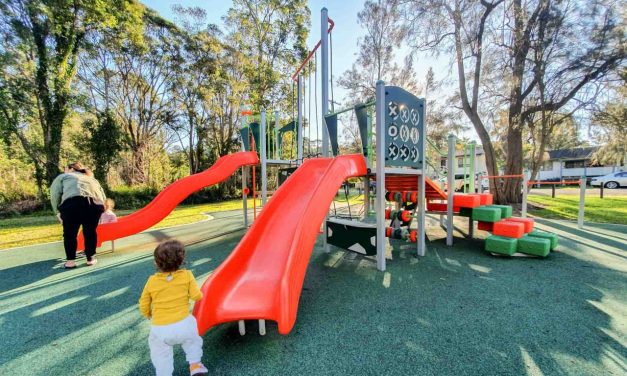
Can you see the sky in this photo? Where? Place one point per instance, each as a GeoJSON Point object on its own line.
{"type": "Point", "coordinates": [346, 34]}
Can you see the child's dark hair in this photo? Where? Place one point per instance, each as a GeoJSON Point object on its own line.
{"type": "Point", "coordinates": [169, 256]}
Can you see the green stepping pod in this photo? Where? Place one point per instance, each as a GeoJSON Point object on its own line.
{"type": "Point", "coordinates": [506, 210]}
{"type": "Point", "coordinates": [534, 246]}
{"type": "Point", "coordinates": [486, 214]}
{"type": "Point", "coordinates": [501, 244]}
{"type": "Point", "coordinates": [545, 235]}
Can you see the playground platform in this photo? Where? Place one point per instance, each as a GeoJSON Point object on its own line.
{"type": "Point", "coordinates": [455, 311]}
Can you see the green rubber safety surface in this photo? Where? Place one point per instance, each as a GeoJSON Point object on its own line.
{"type": "Point", "coordinates": [486, 214]}
{"type": "Point", "coordinates": [432, 315]}
{"type": "Point", "coordinates": [506, 210]}
{"type": "Point", "coordinates": [501, 245]}
{"type": "Point", "coordinates": [545, 235]}
{"type": "Point", "coordinates": [534, 246]}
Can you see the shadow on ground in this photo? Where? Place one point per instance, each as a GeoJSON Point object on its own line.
{"type": "Point", "coordinates": [455, 311]}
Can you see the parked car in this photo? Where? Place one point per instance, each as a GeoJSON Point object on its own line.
{"type": "Point", "coordinates": [611, 181]}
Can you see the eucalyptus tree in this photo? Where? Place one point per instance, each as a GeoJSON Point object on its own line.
{"type": "Point", "coordinates": [271, 35]}
{"type": "Point", "coordinates": [527, 58]}
{"type": "Point", "coordinates": [376, 56]}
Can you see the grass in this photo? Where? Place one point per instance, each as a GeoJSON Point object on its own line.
{"type": "Point", "coordinates": [36, 229]}
{"type": "Point", "coordinates": [606, 210]}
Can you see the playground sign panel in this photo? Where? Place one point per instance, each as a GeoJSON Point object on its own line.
{"type": "Point", "coordinates": [404, 124]}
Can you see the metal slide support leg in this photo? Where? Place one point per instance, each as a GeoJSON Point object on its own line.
{"type": "Point", "coordinates": [241, 324]}
{"type": "Point", "coordinates": [450, 166]}
{"type": "Point", "coordinates": [366, 196]}
{"type": "Point", "coordinates": [262, 327]}
{"type": "Point", "coordinates": [380, 170]}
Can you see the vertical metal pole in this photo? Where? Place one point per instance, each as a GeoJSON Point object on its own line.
{"type": "Point", "coordinates": [420, 243]}
{"type": "Point", "coordinates": [276, 136]}
{"type": "Point", "coordinates": [299, 101]}
{"type": "Point", "coordinates": [524, 194]}
{"type": "Point", "coordinates": [324, 69]}
{"type": "Point", "coordinates": [450, 162]}
{"type": "Point", "coordinates": [264, 159]}
{"type": "Point", "coordinates": [471, 172]}
{"type": "Point", "coordinates": [244, 195]}
{"type": "Point", "coordinates": [582, 201]}
{"type": "Point", "coordinates": [380, 171]}
{"type": "Point", "coordinates": [366, 196]}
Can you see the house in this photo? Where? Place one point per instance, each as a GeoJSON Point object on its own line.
{"type": "Point", "coordinates": [566, 164]}
{"type": "Point", "coordinates": [463, 157]}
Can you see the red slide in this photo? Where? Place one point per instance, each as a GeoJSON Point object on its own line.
{"type": "Point", "coordinates": [171, 196]}
{"type": "Point", "coordinates": [263, 276]}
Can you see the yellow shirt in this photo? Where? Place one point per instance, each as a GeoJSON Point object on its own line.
{"type": "Point", "coordinates": [166, 296]}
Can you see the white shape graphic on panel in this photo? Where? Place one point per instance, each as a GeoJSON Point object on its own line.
{"type": "Point", "coordinates": [414, 135]}
{"type": "Point", "coordinates": [415, 117]}
{"type": "Point", "coordinates": [393, 151]}
{"type": "Point", "coordinates": [414, 154]}
{"type": "Point", "coordinates": [404, 133]}
{"type": "Point", "coordinates": [404, 114]}
{"type": "Point", "coordinates": [404, 152]}
{"type": "Point", "coordinates": [393, 110]}
{"type": "Point", "coordinates": [393, 131]}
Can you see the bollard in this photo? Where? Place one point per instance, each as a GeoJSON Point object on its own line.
{"type": "Point", "coordinates": [552, 190]}
{"type": "Point", "coordinates": [582, 201]}
{"type": "Point", "coordinates": [601, 191]}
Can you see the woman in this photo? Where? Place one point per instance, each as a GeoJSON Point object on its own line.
{"type": "Point", "coordinates": [77, 199]}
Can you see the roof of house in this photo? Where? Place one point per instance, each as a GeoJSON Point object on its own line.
{"type": "Point", "coordinates": [574, 153]}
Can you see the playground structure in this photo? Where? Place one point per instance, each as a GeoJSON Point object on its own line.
{"type": "Point", "coordinates": [262, 278]}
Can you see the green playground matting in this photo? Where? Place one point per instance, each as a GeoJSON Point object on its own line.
{"type": "Point", "coordinates": [456, 311]}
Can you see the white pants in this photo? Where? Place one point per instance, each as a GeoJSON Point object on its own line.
{"type": "Point", "coordinates": [163, 337]}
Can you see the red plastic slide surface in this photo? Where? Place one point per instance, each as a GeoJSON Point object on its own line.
{"type": "Point", "coordinates": [171, 196]}
{"type": "Point", "coordinates": [263, 276]}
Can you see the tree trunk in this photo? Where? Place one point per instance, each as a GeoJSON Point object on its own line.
{"type": "Point", "coordinates": [511, 192]}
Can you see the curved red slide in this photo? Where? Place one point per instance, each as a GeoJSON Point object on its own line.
{"type": "Point", "coordinates": [171, 196]}
{"type": "Point", "coordinates": [263, 276]}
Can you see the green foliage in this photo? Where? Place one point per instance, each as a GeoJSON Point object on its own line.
{"type": "Point", "coordinates": [41, 44]}
{"type": "Point", "coordinates": [104, 142]}
{"type": "Point", "coordinates": [272, 35]}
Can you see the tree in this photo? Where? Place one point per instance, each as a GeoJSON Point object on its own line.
{"type": "Point", "coordinates": [375, 59]}
{"type": "Point", "coordinates": [133, 80]}
{"type": "Point", "coordinates": [611, 125]}
{"type": "Point", "coordinates": [192, 86]}
{"type": "Point", "coordinates": [537, 57]}
{"type": "Point", "coordinates": [272, 35]}
{"type": "Point", "coordinates": [104, 142]}
{"type": "Point", "coordinates": [41, 42]}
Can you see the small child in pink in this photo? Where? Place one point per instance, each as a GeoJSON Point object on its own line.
{"type": "Point", "coordinates": [108, 216]}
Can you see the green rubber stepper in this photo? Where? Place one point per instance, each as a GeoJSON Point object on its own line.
{"type": "Point", "coordinates": [506, 210]}
{"type": "Point", "coordinates": [486, 214]}
{"type": "Point", "coordinates": [534, 246]}
{"type": "Point", "coordinates": [501, 244]}
{"type": "Point", "coordinates": [545, 235]}
{"type": "Point", "coordinates": [465, 212]}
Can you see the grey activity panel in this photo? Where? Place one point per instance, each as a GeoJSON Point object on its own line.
{"type": "Point", "coordinates": [404, 124]}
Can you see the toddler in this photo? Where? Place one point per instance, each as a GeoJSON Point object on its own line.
{"type": "Point", "coordinates": [108, 216]}
{"type": "Point", "coordinates": [165, 300]}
